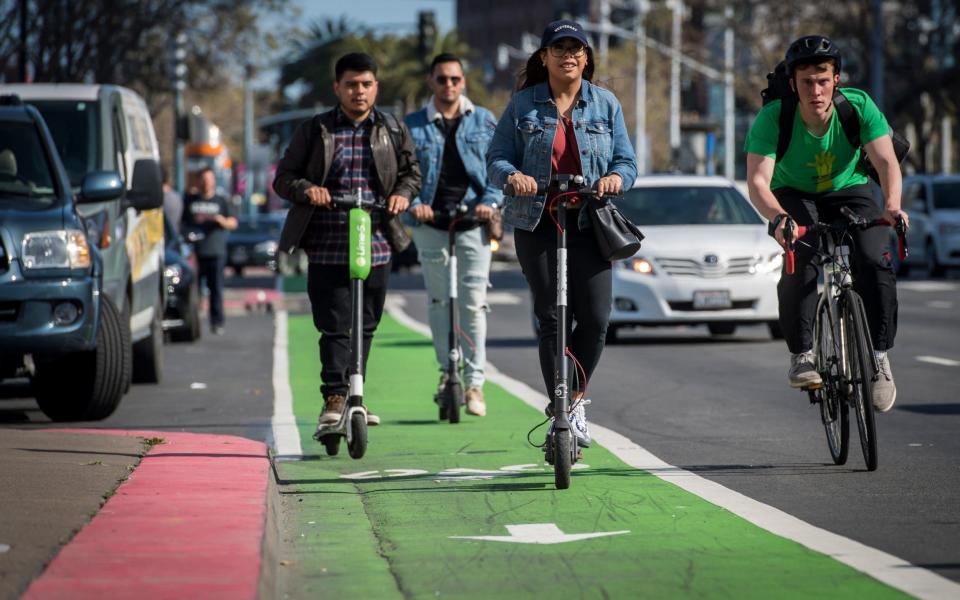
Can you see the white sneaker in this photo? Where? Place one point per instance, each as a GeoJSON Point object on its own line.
{"type": "Point", "coordinates": [884, 389]}
{"type": "Point", "coordinates": [578, 423]}
{"type": "Point", "coordinates": [802, 372]}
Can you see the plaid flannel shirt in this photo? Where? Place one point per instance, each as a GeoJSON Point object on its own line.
{"type": "Point", "coordinates": [327, 238]}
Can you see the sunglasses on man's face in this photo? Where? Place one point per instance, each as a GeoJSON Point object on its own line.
{"type": "Point", "coordinates": [442, 79]}
{"type": "Point", "coordinates": [574, 50]}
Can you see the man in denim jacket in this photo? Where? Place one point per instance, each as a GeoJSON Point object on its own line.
{"type": "Point", "coordinates": [451, 135]}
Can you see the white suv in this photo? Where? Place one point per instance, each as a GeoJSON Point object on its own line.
{"type": "Point", "coordinates": [933, 203]}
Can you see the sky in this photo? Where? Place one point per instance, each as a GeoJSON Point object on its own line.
{"type": "Point", "coordinates": [381, 13]}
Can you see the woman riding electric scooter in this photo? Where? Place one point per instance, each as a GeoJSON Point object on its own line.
{"type": "Point", "coordinates": [558, 122]}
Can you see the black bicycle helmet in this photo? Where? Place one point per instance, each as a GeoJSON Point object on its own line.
{"type": "Point", "coordinates": [810, 49]}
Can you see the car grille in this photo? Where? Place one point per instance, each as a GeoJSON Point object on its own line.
{"type": "Point", "coordinates": [8, 311]}
{"type": "Point", "coordinates": [687, 306]}
{"type": "Point", "coordinates": [685, 267]}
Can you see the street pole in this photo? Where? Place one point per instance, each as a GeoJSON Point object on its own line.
{"type": "Point", "coordinates": [180, 69]}
{"type": "Point", "coordinates": [604, 31]}
{"type": "Point", "coordinates": [876, 73]}
{"type": "Point", "coordinates": [640, 110]}
{"type": "Point", "coordinates": [248, 139]}
{"type": "Point", "coordinates": [677, 7]}
{"type": "Point", "coordinates": [22, 53]}
{"type": "Point", "coordinates": [729, 116]}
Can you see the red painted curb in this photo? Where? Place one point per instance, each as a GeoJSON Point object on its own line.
{"type": "Point", "coordinates": [188, 523]}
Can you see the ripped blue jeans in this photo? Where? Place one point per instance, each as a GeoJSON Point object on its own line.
{"type": "Point", "coordinates": [473, 272]}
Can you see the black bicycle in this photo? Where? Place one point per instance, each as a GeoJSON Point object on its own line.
{"type": "Point", "coordinates": [843, 350]}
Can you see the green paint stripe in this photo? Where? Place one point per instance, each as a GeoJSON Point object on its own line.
{"type": "Point", "coordinates": [678, 546]}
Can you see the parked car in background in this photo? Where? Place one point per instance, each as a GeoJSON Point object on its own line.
{"type": "Point", "coordinates": [933, 203]}
{"type": "Point", "coordinates": [181, 315]}
{"type": "Point", "coordinates": [108, 128]}
{"type": "Point", "coordinates": [255, 241]}
{"type": "Point", "coordinates": [706, 260]}
{"type": "Point", "coordinates": [56, 325]}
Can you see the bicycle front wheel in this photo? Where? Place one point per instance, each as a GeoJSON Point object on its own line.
{"type": "Point", "coordinates": [834, 413]}
{"type": "Point", "coordinates": [859, 384]}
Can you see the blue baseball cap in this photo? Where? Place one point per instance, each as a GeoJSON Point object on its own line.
{"type": "Point", "coordinates": [563, 28]}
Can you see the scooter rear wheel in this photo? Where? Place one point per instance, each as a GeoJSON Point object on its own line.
{"type": "Point", "coordinates": [332, 444]}
{"type": "Point", "coordinates": [357, 446]}
{"type": "Point", "coordinates": [562, 458]}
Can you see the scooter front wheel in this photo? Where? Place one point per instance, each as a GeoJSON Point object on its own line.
{"type": "Point", "coordinates": [357, 446]}
{"type": "Point", "coordinates": [454, 402]}
{"type": "Point", "coordinates": [562, 458]}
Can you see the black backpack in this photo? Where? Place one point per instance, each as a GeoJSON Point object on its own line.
{"type": "Point", "coordinates": [778, 88]}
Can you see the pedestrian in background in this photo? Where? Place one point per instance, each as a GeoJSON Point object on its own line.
{"type": "Point", "coordinates": [354, 145]}
{"type": "Point", "coordinates": [210, 216]}
{"type": "Point", "coordinates": [172, 202]}
{"type": "Point", "coordinates": [452, 136]}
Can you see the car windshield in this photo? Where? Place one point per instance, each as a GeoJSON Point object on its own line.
{"type": "Point", "coordinates": [687, 205]}
{"type": "Point", "coordinates": [946, 195]}
{"type": "Point", "coordinates": [73, 126]}
{"type": "Point", "coordinates": [26, 178]}
{"type": "Point", "coordinates": [263, 225]}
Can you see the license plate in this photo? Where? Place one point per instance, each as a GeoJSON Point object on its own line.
{"type": "Point", "coordinates": [711, 299]}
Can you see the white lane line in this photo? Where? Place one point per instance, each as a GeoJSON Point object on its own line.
{"type": "Point", "coordinates": [503, 298]}
{"type": "Point", "coordinates": [927, 286]}
{"type": "Point", "coordinates": [940, 304]}
{"type": "Point", "coordinates": [880, 565]}
{"type": "Point", "coordinates": [286, 436]}
{"type": "Point", "coordinates": [936, 360]}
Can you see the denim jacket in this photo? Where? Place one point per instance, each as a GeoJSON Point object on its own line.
{"type": "Point", "coordinates": [523, 141]}
{"type": "Point", "coordinates": [472, 138]}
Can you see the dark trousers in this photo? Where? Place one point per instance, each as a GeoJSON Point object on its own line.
{"type": "Point", "coordinates": [328, 287]}
{"type": "Point", "coordinates": [211, 275]}
{"type": "Point", "coordinates": [870, 261]}
{"type": "Point", "coordinates": [589, 293]}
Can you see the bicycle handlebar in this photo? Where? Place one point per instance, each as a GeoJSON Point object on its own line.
{"type": "Point", "coordinates": [855, 221]}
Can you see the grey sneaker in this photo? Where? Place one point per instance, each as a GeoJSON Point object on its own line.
{"type": "Point", "coordinates": [884, 389]}
{"type": "Point", "coordinates": [440, 386]}
{"type": "Point", "coordinates": [802, 372]}
{"type": "Point", "coordinates": [372, 419]}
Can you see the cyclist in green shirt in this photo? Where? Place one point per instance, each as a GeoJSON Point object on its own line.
{"type": "Point", "coordinates": [820, 172]}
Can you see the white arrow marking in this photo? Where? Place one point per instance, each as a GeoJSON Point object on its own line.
{"type": "Point", "coordinates": [537, 533]}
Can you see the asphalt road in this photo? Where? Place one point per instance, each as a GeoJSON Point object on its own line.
{"type": "Point", "coordinates": [720, 407]}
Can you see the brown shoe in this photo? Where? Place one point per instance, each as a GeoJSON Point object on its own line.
{"type": "Point", "coordinates": [475, 404]}
{"type": "Point", "coordinates": [333, 406]}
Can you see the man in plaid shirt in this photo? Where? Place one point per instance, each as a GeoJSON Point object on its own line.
{"type": "Point", "coordinates": [332, 155]}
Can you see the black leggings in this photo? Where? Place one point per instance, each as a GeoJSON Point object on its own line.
{"type": "Point", "coordinates": [870, 261]}
{"type": "Point", "coordinates": [589, 293]}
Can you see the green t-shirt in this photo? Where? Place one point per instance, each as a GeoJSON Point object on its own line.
{"type": "Point", "coordinates": [817, 164]}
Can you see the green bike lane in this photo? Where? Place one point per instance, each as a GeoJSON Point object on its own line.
{"type": "Point", "coordinates": [398, 522]}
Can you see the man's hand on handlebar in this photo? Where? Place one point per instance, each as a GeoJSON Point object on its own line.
{"type": "Point", "coordinates": [396, 204]}
{"type": "Point", "coordinates": [422, 213]}
{"type": "Point", "coordinates": [781, 236]}
{"type": "Point", "coordinates": [610, 184]}
{"type": "Point", "coordinates": [484, 212]}
{"type": "Point", "coordinates": [523, 185]}
{"type": "Point", "coordinates": [318, 196]}
{"type": "Point", "coordinates": [891, 216]}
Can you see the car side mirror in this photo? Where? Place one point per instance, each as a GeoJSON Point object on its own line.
{"type": "Point", "coordinates": [146, 191]}
{"type": "Point", "coordinates": [100, 186]}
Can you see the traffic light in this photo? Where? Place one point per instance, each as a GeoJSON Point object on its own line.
{"type": "Point", "coordinates": [179, 67]}
{"type": "Point", "coordinates": [426, 34]}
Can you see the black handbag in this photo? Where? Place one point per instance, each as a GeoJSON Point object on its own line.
{"type": "Point", "coordinates": [617, 237]}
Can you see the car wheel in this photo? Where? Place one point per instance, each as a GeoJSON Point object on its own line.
{"type": "Point", "coordinates": [148, 352]}
{"type": "Point", "coordinates": [934, 268]}
{"type": "Point", "coordinates": [191, 329]}
{"type": "Point", "coordinates": [238, 271]}
{"type": "Point", "coordinates": [776, 332]}
{"type": "Point", "coordinates": [87, 385]}
{"type": "Point", "coordinates": [611, 338]}
{"type": "Point", "coordinates": [722, 328]}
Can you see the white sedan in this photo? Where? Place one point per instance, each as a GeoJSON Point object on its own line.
{"type": "Point", "coordinates": [706, 259]}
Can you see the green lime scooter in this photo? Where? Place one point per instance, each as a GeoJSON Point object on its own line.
{"type": "Point", "coordinates": [353, 422]}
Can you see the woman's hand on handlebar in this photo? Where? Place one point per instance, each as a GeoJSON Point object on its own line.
{"type": "Point", "coordinates": [318, 196]}
{"type": "Point", "coordinates": [484, 212]}
{"type": "Point", "coordinates": [422, 212]}
{"type": "Point", "coordinates": [609, 184]}
{"type": "Point", "coordinates": [396, 204]}
{"type": "Point", "coordinates": [523, 185]}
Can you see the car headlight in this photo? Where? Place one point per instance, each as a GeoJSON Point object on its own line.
{"type": "Point", "coordinates": [63, 249]}
{"type": "Point", "coordinates": [173, 273]}
{"type": "Point", "coordinates": [269, 248]}
{"type": "Point", "coordinates": [767, 264]}
{"type": "Point", "coordinates": [638, 265]}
